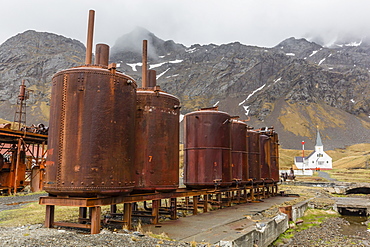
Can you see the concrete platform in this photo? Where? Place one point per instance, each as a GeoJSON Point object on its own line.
{"type": "Point", "coordinates": [214, 226]}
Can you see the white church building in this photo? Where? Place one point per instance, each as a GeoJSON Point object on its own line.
{"type": "Point", "coordinates": [317, 160]}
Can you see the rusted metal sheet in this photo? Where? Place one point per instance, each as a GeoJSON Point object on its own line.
{"type": "Point", "coordinates": [239, 155]}
{"type": "Point", "coordinates": [102, 54]}
{"type": "Point", "coordinates": [265, 157]}
{"type": "Point", "coordinates": [254, 156]}
{"type": "Point", "coordinates": [157, 141]}
{"type": "Point", "coordinates": [207, 149]}
{"type": "Point", "coordinates": [91, 139]}
{"type": "Point", "coordinates": [274, 156]}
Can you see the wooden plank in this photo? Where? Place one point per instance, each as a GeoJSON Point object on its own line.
{"type": "Point", "coordinates": [155, 211]}
{"type": "Point", "coordinates": [127, 207]}
{"type": "Point", "coordinates": [69, 224]}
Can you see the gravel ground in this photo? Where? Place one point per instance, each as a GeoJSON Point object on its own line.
{"type": "Point", "coordinates": [330, 233]}
{"type": "Point", "coordinates": [36, 235]}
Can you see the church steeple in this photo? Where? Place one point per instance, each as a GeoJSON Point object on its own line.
{"type": "Point", "coordinates": [318, 146]}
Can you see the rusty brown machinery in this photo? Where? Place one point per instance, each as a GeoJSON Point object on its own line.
{"type": "Point", "coordinates": [112, 143]}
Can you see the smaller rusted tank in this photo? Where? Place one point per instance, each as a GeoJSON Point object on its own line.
{"type": "Point", "coordinates": [207, 149]}
{"type": "Point", "coordinates": [274, 156]}
{"type": "Point", "coordinates": [239, 156]}
{"type": "Point", "coordinates": [253, 140]}
{"type": "Point", "coordinates": [157, 141]}
{"type": "Point", "coordinates": [265, 156]}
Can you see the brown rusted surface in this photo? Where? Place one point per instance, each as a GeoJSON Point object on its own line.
{"type": "Point", "coordinates": [207, 149]}
{"type": "Point", "coordinates": [157, 141]}
{"type": "Point", "coordinates": [102, 54]}
{"type": "Point", "coordinates": [152, 74]}
{"type": "Point", "coordinates": [90, 35]}
{"type": "Point", "coordinates": [239, 156]}
{"type": "Point", "coordinates": [91, 145]}
{"type": "Point", "coordinates": [144, 69]}
{"type": "Point", "coordinates": [265, 157]}
{"type": "Point", "coordinates": [275, 156]}
{"type": "Point", "coordinates": [254, 155]}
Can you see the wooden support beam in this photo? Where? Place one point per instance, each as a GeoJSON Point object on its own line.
{"type": "Point", "coordinates": [155, 211]}
{"type": "Point", "coordinates": [113, 208]}
{"type": "Point", "coordinates": [205, 203]}
{"type": "Point", "coordinates": [195, 205]}
{"type": "Point", "coordinates": [127, 208]}
{"type": "Point", "coordinates": [173, 208]}
{"type": "Point", "coordinates": [95, 220]}
{"type": "Point", "coordinates": [49, 216]}
{"type": "Point", "coordinates": [82, 215]}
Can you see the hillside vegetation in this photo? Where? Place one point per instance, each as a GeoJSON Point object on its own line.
{"type": "Point", "coordinates": [352, 157]}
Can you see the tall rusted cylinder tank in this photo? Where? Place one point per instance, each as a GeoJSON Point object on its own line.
{"type": "Point", "coordinates": [254, 156]}
{"type": "Point", "coordinates": [265, 157]}
{"type": "Point", "coordinates": [239, 156]}
{"type": "Point", "coordinates": [91, 139]}
{"type": "Point", "coordinates": [157, 141]}
{"type": "Point", "coordinates": [274, 156]}
{"type": "Point", "coordinates": [207, 149]}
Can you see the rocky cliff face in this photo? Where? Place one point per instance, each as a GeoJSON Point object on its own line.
{"type": "Point", "coordinates": [34, 57]}
{"type": "Point", "coordinates": [296, 86]}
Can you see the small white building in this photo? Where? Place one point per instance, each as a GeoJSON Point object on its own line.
{"type": "Point", "coordinates": [317, 160]}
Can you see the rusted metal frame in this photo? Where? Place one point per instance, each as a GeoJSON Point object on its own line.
{"type": "Point", "coordinates": [17, 165]}
{"type": "Point", "coordinates": [155, 211]}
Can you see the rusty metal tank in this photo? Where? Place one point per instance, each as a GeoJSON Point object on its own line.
{"type": "Point", "coordinates": [265, 156]}
{"type": "Point", "coordinates": [207, 149]}
{"type": "Point", "coordinates": [157, 141]}
{"type": "Point", "coordinates": [254, 155]}
{"type": "Point", "coordinates": [274, 156]}
{"type": "Point", "coordinates": [91, 142]}
{"type": "Point", "coordinates": [239, 156]}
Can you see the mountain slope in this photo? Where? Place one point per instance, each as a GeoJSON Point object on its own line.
{"type": "Point", "coordinates": [296, 86]}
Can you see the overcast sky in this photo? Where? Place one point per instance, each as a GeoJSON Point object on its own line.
{"type": "Point", "coordinates": [251, 22]}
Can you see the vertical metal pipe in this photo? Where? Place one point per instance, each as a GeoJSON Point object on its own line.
{"type": "Point", "coordinates": [102, 54]}
{"type": "Point", "coordinates": [145, 64]}
{"type": "Point", "coordinates": [152, 78]}
{"type": "Point", "coordinates": [90, 34]}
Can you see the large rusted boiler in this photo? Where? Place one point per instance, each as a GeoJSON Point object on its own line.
{"type": "Point", "coordinates": [254, 155]}
{"type": "Point", "coordinates": [157, 135]}
{"type": "Point", "coordinates": [91, 142]}
{"type": "Point", "coordinates": [239, 155]}
{"type": "Point", "coordinates": [207, 149]}
{"type": "Point", "coordinates": [265, 156]}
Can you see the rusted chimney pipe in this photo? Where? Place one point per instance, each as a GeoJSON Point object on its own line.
{"type": "Point", "coordinates": [22, 91]}
{"type": "Point", "coordinates": [145, 64]}
{"type": "Point", "coordinates": [152, 78]}
{"type": "Point", "coordinates": [102, 54]}
{"type": "Point", "coordinates": [90, 34]}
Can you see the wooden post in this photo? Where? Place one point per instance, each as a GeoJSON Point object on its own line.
{"type": "Point", "coordinates": [195, 205]}
{"type": "Point", "coordinates": [82, 215]}
{"type": "Point", "coordinates": [49, 217]}
{"type": "Point", "coordinates": [155, 211]}
{"type": "Point", "coordinates": [205, 203]}
{"type": "Point", "coordinates": [95, 219]}
{"type": "Point", "coordinates": [113, 208]}
{"type": "Point", "coordinates": [127, 207]}
{"type": "Point", "coordinates": [173, 208]}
